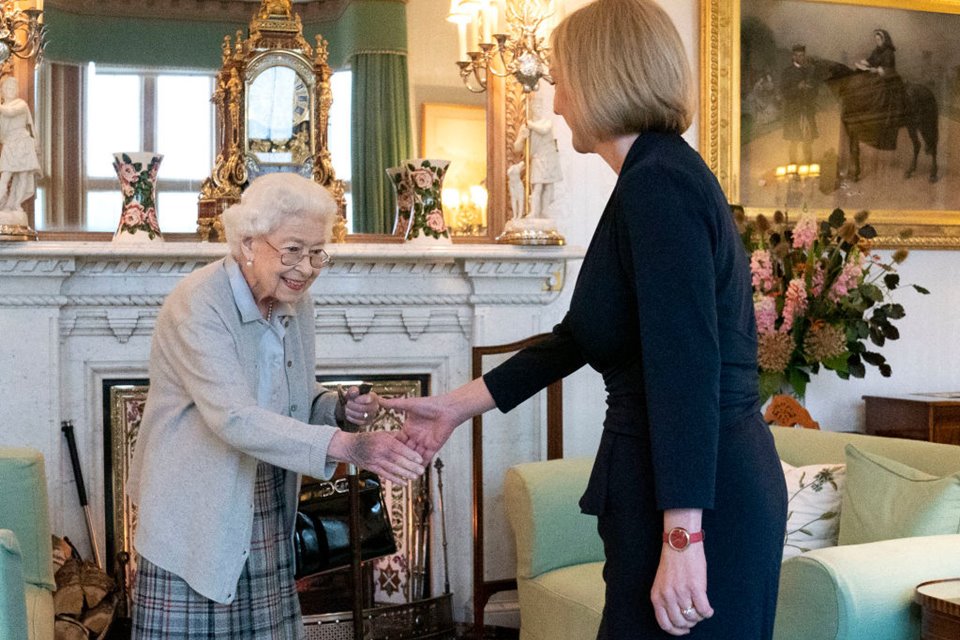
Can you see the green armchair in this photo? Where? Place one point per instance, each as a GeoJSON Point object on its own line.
{"type": "Point", "coordinates": [850, 592]}
{"type": "Point", "coordinates": [26, 566]}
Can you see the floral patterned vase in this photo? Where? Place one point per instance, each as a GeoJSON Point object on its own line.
{"type": "Point", "coordinates": [137, 172]}
{"type": "Point", "coordinates": [419, 209]}
{"type": "Point", "coordinates": [401, 225]}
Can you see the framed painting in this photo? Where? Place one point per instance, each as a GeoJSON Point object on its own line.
{"type": "Point", "coordinates": [820, 104]}
{"type": "Point", "coordinates": [458, 133]}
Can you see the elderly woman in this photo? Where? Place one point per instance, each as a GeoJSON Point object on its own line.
{"type": "Point", "coordinates": [686, 486]}
{"type": "Point", "coordinates": [233, 416]}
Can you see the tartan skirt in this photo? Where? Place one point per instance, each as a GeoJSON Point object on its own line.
{"type": "Point", "coordinates": [266, 606]}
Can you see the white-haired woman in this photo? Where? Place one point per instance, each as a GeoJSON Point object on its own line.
{"type": "Point", "coordinates": [233, 416]}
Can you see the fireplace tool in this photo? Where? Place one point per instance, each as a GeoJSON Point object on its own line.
{"type": "Point", "coordinates": [67, 427]}
{"type": "Point", "coordinates": [438, 465]}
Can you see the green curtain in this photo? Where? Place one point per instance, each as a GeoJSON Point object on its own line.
{"type": "Point", "coordinates": [381, 136]}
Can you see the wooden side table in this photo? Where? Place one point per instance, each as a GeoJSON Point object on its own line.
{"type": "Point", "coordinates": [934, 417]}
{"type": "Point", "coordinates": [940, 606]}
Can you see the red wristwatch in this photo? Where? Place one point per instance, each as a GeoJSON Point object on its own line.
{"type": "Point", "coordinates": [679, 538]}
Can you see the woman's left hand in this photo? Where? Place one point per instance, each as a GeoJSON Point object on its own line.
{"type": "Point", "coordinates": [679, 593]}
{"type": "Point", "coordinates": [361, 409]}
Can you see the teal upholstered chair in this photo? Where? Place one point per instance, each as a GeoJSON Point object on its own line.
{"type": "Point", "coordinates": [26, 567]}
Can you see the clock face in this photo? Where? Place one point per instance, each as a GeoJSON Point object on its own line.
{"type": "Point", "coordinates": [679, 539]}
{"type": "Point", "coordinates": [301, 102]}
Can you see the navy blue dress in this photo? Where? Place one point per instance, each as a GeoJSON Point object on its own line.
{"type": "Point", "coordinates": [663, 310]}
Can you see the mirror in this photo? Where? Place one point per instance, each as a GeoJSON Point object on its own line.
{"type": "Point", "coordinates": [430, 42]}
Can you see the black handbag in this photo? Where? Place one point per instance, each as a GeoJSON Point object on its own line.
{"type": "Point", "coordinates": [322, 532]}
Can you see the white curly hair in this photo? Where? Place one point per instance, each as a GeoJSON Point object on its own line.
{"type": "Point", "coordinates": [270, 200]}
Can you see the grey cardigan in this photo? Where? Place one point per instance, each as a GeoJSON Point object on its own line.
{"type": "Point", "coordinates": [202, 434]}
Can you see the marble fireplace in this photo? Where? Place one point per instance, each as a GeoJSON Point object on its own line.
{"type": "Point", "coordinates": [76, 317]}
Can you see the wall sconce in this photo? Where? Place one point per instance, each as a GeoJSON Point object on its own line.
{"type": "Point", "coordinates": [519, 52]}
{"type": "Point", "coordinates": [798, 181]}
{"type": "Point", "coordinates": [465, 210]}
{"type": "Point", "coordinates": [21, 31]}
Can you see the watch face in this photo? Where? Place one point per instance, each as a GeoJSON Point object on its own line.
{"type": "Point", "coordinates": [679, 539]}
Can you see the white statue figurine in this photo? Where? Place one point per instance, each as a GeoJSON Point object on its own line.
{"type": "Point", "coordinates": [544, 159]}
{"type": "Point", "coordinates": [19, 164]}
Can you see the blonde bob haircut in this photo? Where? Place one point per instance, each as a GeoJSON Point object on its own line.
{"type": "Point", "coordinates": [624, 69]}
{"type": "Point", "coordinates": [272, 199]}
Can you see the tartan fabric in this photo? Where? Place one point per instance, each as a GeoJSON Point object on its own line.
{"type": "Point", "coordinates": [266, 606]}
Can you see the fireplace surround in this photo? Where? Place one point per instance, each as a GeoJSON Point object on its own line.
{"type": "Point", "coordinates": [74, 315]}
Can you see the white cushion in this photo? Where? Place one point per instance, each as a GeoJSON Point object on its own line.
{"type": "Point", "coordinates": [813, 508]}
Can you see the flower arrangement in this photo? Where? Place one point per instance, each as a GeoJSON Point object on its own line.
{"type": "Point", "coordinates": [138, 180]}
{"type": "Point", "coordinates": [820, 294]}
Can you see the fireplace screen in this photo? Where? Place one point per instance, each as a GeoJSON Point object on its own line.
{"type": "Point", "coordinates": [398, 578]}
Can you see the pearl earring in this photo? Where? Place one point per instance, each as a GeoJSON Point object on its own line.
{"type": "Point", "coordinates": [249, 263]}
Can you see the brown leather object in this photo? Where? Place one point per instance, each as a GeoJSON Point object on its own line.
{"type": "Point", "coordinates": [785, 411]}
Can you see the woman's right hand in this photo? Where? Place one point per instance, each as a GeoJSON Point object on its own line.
{"type": "Point", "coordinates": [381, 452]}
{"type": "Point", "coordinates": [428, 422]}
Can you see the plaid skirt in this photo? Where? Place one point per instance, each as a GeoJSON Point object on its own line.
{"type": "Point", "coordinates": [266, 606]}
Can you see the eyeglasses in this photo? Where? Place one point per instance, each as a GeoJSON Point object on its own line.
{"type": "Point", "coordinates": [291, 257]}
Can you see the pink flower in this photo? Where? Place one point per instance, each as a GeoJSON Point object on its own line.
{"type": "Point", "coordinates": [765, 310]}
{"type": "Point", "coordinates": [128, 173]}
{"type": "Point", "coordinates": [126, 188]}
{"type": "Point", "coordinates": [151, 217]}
{"type": "Point", "coordinates": [422, 178]}
{"type": "Point", "coordinates": [435, 221]}
{"type": "Point", "coordinates": [761, 268]}
{"type": "Point", "coordinates": [405, 200]}
{"type": "Point", "coordinates": [795, 303]}
{"type": "Point", "coordinates": [847, 280]}
{"type": "Point", "coordinates": [805, 232]}
{"type": "Point", "coordinates": [133, 214]}
{"type": "Point", "coordinates": [816, 282]}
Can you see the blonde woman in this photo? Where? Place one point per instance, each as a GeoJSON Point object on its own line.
{"type": "Point", "coordinates": [233, 416]}
{"type": "Point", "coordinates": [687, 486]}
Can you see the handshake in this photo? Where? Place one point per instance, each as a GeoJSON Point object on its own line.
{"type": "Point", "coordinates": [428, 422]}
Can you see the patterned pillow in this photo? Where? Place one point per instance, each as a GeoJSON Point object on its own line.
{"type": "Point", "coordinates": [813, 507]}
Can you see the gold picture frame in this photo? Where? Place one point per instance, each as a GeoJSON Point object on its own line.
{"type": "Point", "coordinates": [722, 110]}
{"type": "Point", "coordinates": [126, 411]}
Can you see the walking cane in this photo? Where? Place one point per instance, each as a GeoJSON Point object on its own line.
{"type": "Point", "coordinates": [67, 427]}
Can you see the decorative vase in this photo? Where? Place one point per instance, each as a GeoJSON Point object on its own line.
{"type": "Point", "coordinates": [419, 183]}
{"type": "Point", "coordinates": [137, 172]}
{"type": "Point", "coordinates": [404, 191]}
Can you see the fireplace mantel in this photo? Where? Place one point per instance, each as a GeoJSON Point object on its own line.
{"type": "Point", "coordinates": [75, 314]}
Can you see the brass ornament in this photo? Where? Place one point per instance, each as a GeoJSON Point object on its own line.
{"type": "Point", "coordinates": [276, 39]}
